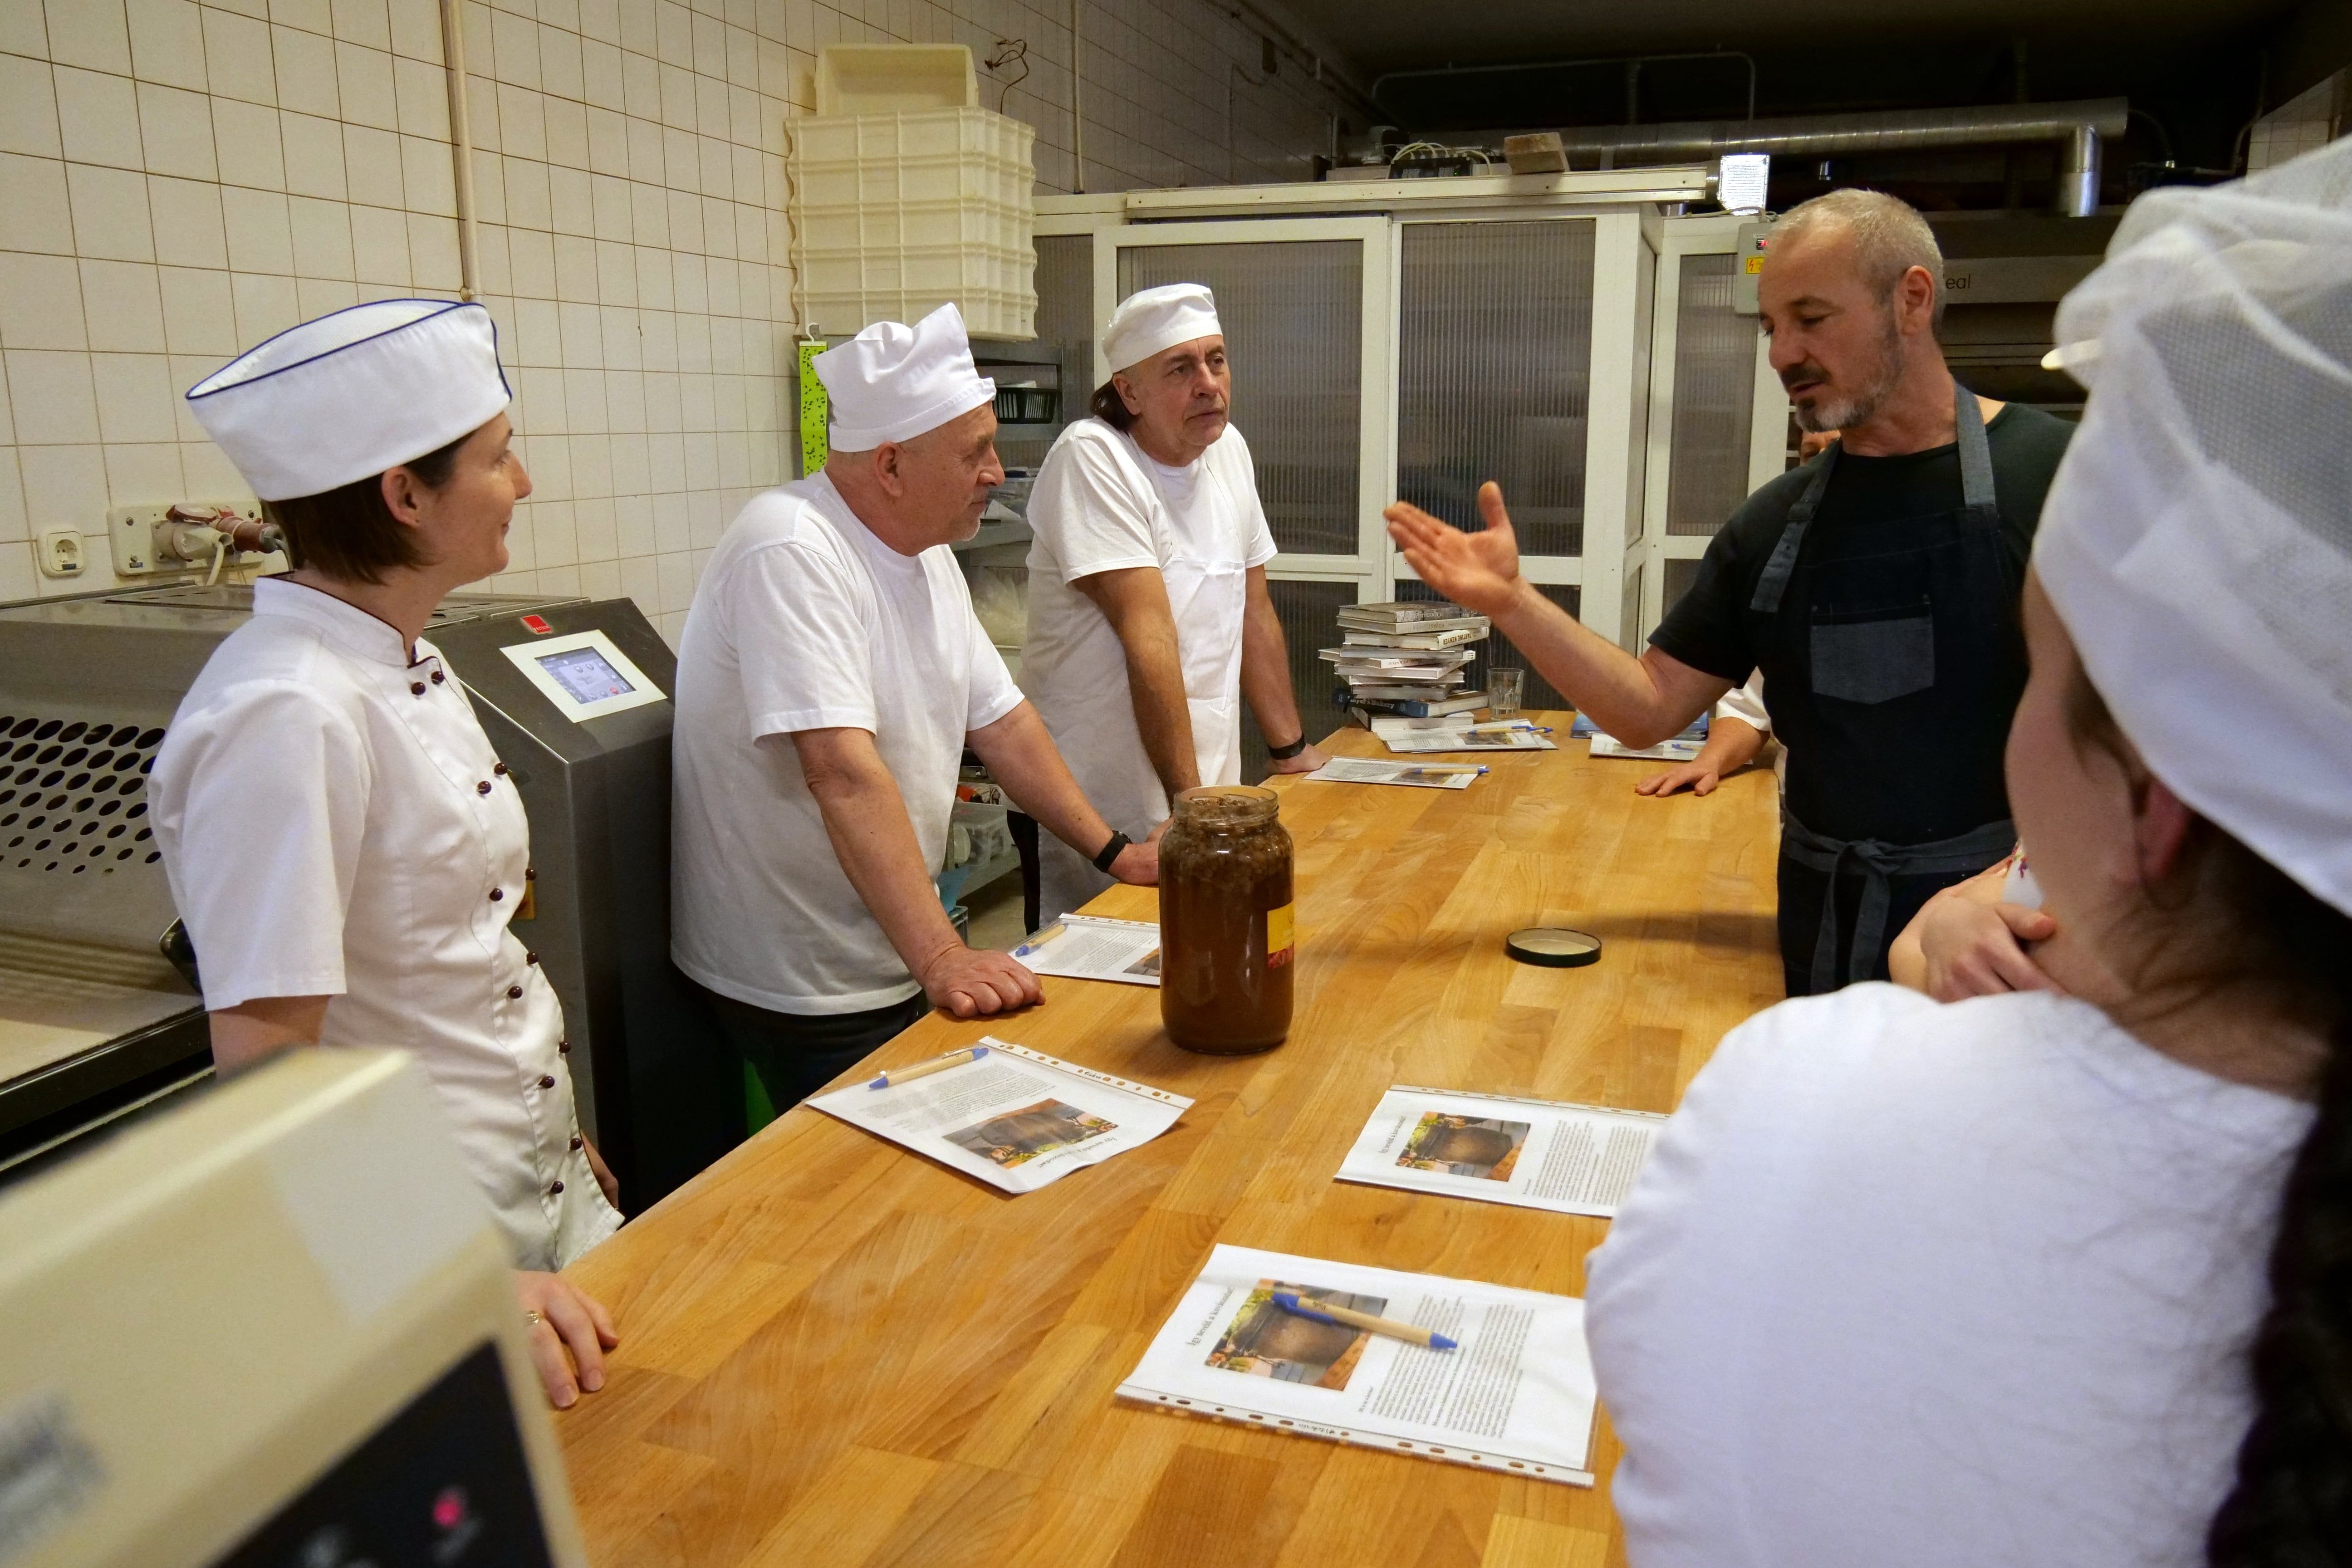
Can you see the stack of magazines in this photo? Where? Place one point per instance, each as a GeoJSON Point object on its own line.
{"type": "Point", "coordinates": [1412, 659]}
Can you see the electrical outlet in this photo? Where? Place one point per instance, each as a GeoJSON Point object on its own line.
{"type": "Point", "coordinates": [61, 552]}
{"type": "Point", "coordinates": [170, 538]}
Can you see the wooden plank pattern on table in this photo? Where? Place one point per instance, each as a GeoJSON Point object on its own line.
{"type": "Point", "coordinates": [835, 1352]}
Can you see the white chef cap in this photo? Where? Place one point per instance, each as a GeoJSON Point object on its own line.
{"type": "Point", "coordinates": [892, 383]}
{"type": "Point", "coordinates": [2198, 539]}
{"type": "Point", "coordinates": [353, 393]}
{"type": "Point", "coordinates": [1151, 320]}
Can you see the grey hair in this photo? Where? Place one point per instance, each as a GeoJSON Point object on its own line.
{"type": "Point", "coordinates": [1890, 237]}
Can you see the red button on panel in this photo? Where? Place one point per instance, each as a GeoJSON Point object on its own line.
{"type": "Point", "coordinates": [536, 625]}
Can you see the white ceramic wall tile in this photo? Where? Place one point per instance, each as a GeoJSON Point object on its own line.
{"type": "Point", "coordinates": [98, 116]}
{"type": "Point", "coordinates": [33, 195]}
{"type": "Point", "coordinates": [175, 131]}
{"type": "Point", "coordinates": [279, 158]}
{"type": "Point", "coordinates": [109, 212]}
{"type": "Point", "coordinates": [167, 43]}
{"type": "Point", "coordinates": [124, 307]}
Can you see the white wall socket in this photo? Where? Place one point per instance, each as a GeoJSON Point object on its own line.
{"type": "Point", "coordinates": [62, 553]}
{"type": "Point", "coordinates": [142, 535]}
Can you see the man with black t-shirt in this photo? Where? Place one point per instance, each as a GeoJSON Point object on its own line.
{"type": "Point", "coordinates": [1877, 587]}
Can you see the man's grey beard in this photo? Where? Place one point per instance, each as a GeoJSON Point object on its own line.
{"type": "Point", "coordinates": [1857, 408]}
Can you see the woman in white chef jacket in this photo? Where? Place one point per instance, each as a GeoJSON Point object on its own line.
{"type": "Point", "coordinates": [1149, 615]}
{"type": "Point", "coordinates": [344, 847]}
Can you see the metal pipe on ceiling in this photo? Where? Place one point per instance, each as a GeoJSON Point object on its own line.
{"type": "Point", "coordinates": [2078, 129]}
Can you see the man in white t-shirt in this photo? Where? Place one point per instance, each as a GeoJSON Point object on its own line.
{"type": "Point", "coordinates": [830, 676]}
{"type": "Point", "coordinates": [1149, 615]}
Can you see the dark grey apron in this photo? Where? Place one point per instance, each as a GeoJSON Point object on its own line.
{"type": "Point", "coordinates": [1911, 648]}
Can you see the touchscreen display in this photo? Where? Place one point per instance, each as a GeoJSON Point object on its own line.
{"type": "Point", "coordinates": [586, 674]}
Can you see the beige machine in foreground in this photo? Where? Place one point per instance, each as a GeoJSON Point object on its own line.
{"type": "Point", "coordinates": [277, 1326]}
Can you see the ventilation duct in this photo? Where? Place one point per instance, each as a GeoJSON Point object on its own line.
{"type": "Point", "coordinates": [2075, 129]}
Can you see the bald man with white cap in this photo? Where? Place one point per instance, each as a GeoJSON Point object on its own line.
{"type": "Point", "coordinates": [345, 847]}
{"type": "Point", "coordinates": [830, 676]}
{"type": "Point", "coordinates": [1149, 615]}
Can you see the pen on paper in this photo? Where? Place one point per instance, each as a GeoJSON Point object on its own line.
{"type": "Point", "coordinates": [1411, 1333]}
{"type": "Point", "coordinates": [924, 1069]}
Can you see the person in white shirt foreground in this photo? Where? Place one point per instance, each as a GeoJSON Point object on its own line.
{"type": "Point", "coordinates": [1148, 615]}
{"type": "Point", "coordinates": [2040, 1278]}
{"type": "Point", "coordinates": [829, 677]}
{"type": "Point", "coordinates": [342, 843]}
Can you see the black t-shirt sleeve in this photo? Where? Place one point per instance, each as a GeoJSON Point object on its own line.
{"type": "Point", "coordinates": [2026, 444]}
{"type": "Point", "coordinates": [1709, 627]}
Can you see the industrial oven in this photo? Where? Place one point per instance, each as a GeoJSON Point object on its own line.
{"type": "Point", "coordinates": [99, 1013]}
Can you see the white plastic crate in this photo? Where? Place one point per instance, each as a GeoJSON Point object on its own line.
{"type": "Point", "coordinates": [885, 78]}
{"type": "Point", "coordinates": [895, 214]}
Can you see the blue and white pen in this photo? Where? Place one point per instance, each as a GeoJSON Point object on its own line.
{"type": "Point", "coordinates": [1324, 1313]}
{"type": "Point", "coordinates": [896, 1076]}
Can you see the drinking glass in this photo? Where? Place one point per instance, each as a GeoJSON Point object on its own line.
{"type": "Point", "coordinates": [1502, 688]}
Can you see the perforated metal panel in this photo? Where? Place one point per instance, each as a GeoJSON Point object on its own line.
{"type": "Point", "coordinates": [1309, 613]}
{"type": "Point", "coordinates": [1494, 373]}
{"type": "Point", "coordinates": [1292, 314]}
{"type": "Point", "coordinates": [73, 798]}
{"type": "Point", "coordinates": [1714, 399]}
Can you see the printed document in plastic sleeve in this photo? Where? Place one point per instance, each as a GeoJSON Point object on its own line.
{"type": "Point", "coordinates": [1412, 775]}
{"type": "Point", "coordinates": [1093, 947]}
{"type": "Point", "coordinates": [1501, 737]}
{"type": "Point", "coordinates": [1516, 1395]}
{"type": "Point", "coordinates": [1536, 1153]}
{"type": "Point", "coordinates": [1016, 1119]}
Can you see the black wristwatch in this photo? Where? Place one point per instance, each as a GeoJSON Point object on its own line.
{"type": "Point", "coordinates": [1118, 841]}
{"type": "Point", "coordinates": [1284, 754]}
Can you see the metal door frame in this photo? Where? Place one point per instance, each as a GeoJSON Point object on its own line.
{"type": "Point", "coordinates": [1376, 375]}
{"type": "Point", "coordinates": [1651, 546]}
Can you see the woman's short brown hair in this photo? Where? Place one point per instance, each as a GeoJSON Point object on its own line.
{"type": "Point", "coordinates": [349, 531]}
{"type": "Point", "coordinates": [1110, 407]}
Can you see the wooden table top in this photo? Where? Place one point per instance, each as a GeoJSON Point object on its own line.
{"type": "Point", "coordinates": [837, 1353]}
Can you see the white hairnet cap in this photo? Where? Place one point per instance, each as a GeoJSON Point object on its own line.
{"type": "Point", "coordinates": [2198, 539]}
{"type": "Point", "coordinates": [892, 383]}
{"type": "Point", "coordinates": [1151, 320]}
{"type": "Point", "coordinates": [353, 393]}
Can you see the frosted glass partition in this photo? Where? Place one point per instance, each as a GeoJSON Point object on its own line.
{"type": "Point", "coordinates": [1309, 613]}
{"type": "Point", "coordinates": [1496, 650]}
{"type": "Point", "coordinates": [1714, 399]}
{"type": "Point", "coordinates": [1680, 575]}
{"type": "Point", "coordinates": [1292, 314]}
{"type": "Point", "coordinates": [1494, 361]}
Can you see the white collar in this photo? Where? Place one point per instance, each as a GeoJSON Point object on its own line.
{"type": "Point", "coordinates": [363, 634]}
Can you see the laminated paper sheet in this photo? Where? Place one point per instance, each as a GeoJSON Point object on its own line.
{"type": "Point", "coordinates": [1516, 1396]}
{"type": "Point", "coordinates": [1535, 1153]}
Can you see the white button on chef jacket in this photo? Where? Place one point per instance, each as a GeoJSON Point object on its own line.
{"type": "Point", "coordinates": [334, 823]}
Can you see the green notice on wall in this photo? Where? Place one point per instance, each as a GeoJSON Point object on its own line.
{"type": "Point", "coordinates": [813, 407]}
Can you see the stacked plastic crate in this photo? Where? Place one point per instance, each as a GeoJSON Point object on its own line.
{"type": "Point", "coordinates": [898, 211]}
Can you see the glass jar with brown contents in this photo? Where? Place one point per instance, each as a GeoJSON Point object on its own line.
{"type": "Point", "coordinates": [1227, 950]}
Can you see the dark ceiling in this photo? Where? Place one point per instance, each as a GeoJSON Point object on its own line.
{"type": "Point", "coordinates": [2192, 68]}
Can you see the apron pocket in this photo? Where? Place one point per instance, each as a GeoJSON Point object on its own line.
{"type": "Point", "coordinates": [1875, 661]}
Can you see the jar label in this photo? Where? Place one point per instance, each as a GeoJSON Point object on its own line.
{"type": "Point", "coordinates": [1281, 935]}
